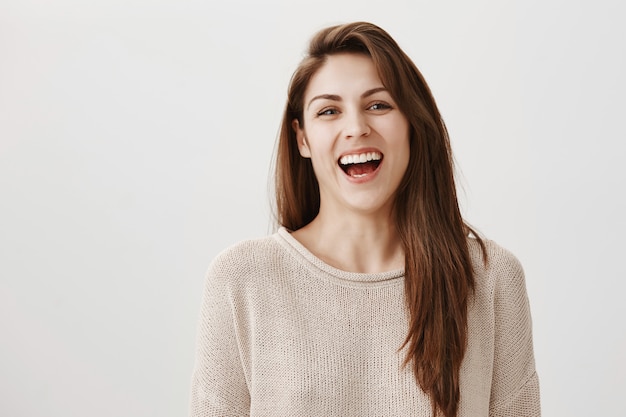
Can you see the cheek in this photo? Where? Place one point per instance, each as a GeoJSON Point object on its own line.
{"type": "Point", "coordinates": [403, 152]}
{"type": "Point", "coordinates": [320, 140]}
{"type": "Point", "coordinates": [404, 149]}
{"type": "Point", "coordinates": [319, 131]}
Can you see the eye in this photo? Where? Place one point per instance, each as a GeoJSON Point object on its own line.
{"type": "Point", "coordinates": [380, 106]}
{"type": "Point", "coordinates": [330, 111]}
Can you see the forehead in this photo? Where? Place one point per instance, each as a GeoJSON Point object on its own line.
{"type": "Point", "coordinates": [343, 74]}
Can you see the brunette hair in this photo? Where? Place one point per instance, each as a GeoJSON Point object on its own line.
{"type": "Point", "coordinates": [438, 269]}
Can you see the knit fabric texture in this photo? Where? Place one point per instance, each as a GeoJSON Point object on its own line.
{"type": "Point", "coordinates": [281, 333]}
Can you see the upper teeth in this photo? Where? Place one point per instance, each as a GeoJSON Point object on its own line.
{"type": "Point", "coordinates": [360, 158]}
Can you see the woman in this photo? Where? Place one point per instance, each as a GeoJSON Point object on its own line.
{"type": "Point", "coordinates": [371, 299]}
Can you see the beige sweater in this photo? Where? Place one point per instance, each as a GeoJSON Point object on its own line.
{"type": "Point", "coordinates": [281, 333]}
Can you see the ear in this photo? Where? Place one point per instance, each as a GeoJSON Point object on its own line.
{"type": "Point", "coordinates": [303, 145]}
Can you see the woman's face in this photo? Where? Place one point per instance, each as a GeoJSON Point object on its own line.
{"type": "Point", "coordinates": [355, 135]}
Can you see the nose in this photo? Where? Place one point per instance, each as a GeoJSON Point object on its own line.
{"type": "Point", "coordinates": [356, 125]}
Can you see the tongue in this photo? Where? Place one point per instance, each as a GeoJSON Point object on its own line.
{"type": "Point", "coordinates": [360, 169]}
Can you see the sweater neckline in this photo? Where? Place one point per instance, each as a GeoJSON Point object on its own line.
{"type": "Point", "coordinates": [284, 236]}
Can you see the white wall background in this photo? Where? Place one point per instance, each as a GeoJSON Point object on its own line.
{"type": "Point", "coordinates": [135, 143]}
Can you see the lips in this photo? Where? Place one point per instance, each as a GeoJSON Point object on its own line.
{"type": "Point", "coordinates": [359, 165]}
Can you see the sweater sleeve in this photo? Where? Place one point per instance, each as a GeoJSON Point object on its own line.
{"type": "Point", "coordinates": [515, 386]}
{"type": "Point", "coordinates": [218, 385]}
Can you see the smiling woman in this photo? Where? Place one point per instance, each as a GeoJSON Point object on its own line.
{"type": "Point", "coordinates": [373, 297]}
{"type": "Point", "coordinates": [349, 115]}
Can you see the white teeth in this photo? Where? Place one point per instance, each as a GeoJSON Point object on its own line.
{"type": "Point", "coordinates": [360, 158]}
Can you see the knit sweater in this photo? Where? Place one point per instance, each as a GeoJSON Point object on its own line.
{"type": "Point", "coordinates": [281, 333]}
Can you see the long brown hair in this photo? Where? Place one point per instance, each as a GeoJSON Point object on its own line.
{"type": "Point", "coordinates": [438, 268]}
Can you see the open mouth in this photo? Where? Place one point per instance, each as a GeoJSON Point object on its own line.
{"type": "Point", "coordinates": [360, 165]}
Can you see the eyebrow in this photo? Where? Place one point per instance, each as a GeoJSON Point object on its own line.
{"type": "Point", "coordinates": [335, 97]}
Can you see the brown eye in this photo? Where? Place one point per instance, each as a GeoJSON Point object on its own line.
{"type": "Point", "coordinates": [380, 106]}
{"type": "Point", "coordinates": [327, 112]}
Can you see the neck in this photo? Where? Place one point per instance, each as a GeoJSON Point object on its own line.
{"type": "Point", "coordinates": [366, 243]}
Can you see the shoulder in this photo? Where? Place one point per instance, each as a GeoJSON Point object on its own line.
{"type": "Point", "coordinates": [498, 258]}
{"type": "Point", "coordinates": [245, 255]}
{"type": "Point", "coordinates": [496, 267]}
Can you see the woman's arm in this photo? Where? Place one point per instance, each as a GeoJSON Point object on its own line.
{"type": "Point", "coordinates": [515, 386]}
{"type": "Point", "coordinates": [219, 386]}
